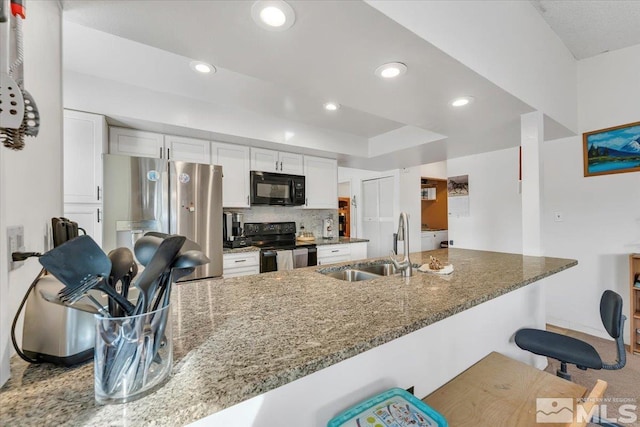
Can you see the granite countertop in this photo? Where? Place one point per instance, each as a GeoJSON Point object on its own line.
{"type": "Point", "coordinates": [240, 250]}
{"type": "Point", "coordinates": [339, 241]}
{"type": "Point", "coordinates": [241, 337]}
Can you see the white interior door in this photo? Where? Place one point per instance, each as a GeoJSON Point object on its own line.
{"type": "Point", "coordinates": [378, 222]}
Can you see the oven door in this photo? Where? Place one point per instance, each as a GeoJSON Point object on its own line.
{"type": "Point", "coordinates": [272, 189]}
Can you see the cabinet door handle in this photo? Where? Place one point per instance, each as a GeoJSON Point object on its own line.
{"type": "Point", "coordinates": [98, 212]}
{"type": "Point", "coordinates": [98, 192]}
{"type": "Point", "coordinates": [240, 260]}
{"type": "Point", "coordinates": [280, 166]}
{"type": "Point", "coordinates": [248, 201]}
{"type": "Point", "coordinates": [168, 157]}
{"type": "Point", "coordinates": [306, 201]}
{"type": "Point", "coordinates": [161, 153]}
{"type": "Point", "coordinates": [335, 250]}
{"type": "Point", "coordinates": [276, 165]}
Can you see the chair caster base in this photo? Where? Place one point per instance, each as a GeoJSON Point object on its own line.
{"type": "Point", "coordinates": [563, 375]}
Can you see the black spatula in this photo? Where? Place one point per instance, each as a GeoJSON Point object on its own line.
{"type": "Point", "coordinates": [81, 265]}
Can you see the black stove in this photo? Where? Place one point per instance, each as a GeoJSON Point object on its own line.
{"type": "Point", "coordinates": [273, 236]}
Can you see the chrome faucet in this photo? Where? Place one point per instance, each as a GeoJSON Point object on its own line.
{"type": "Point", "coordinates": [403, 266]}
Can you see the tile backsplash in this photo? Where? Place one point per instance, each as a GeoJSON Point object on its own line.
{"type": "Point", "coordinates": [311, 219]}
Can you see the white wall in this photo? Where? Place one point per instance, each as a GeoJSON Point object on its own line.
{"type": "Point", "coordinates": [495, 220]}
{"type": "Point", "coordinates": [601, 214]}
{"type": "Point", "coordinates": [31, 183]}
{"type": "Point", "coordinates": [434, 170]}
{"type": "Point", "coordinates": [507, 42]}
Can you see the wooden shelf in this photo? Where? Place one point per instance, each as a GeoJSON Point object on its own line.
{"type": "Point", "coordinates": [344, 216]}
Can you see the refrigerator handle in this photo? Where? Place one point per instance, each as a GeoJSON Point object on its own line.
{"type": "Point", "coordinates": [161, 152]}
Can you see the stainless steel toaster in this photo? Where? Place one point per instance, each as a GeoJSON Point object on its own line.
{"type": "Point", "coordinates": [55, 333]}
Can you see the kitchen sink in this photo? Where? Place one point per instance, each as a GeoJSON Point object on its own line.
{"type": "Point", "coordinates": [351, 275]}
{"type": "Point", "coordinates": [379, 269]}
{"type": "Point", "coordinates": [356, 273]}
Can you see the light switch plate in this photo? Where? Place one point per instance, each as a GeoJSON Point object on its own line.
{"type": "Point", "coordinates": [15, 242]}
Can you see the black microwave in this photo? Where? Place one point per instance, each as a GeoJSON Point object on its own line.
{"type": "Point", "coordinates": [277, 189]}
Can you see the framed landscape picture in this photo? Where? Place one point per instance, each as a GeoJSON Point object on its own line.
{"type": "Point", "coordinates": [612, 150]}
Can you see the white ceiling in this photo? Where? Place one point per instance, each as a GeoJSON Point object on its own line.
{"type": "Point", "coordinates": [591, 27]}
{"type": "Point", "coordinates": [329, 54]}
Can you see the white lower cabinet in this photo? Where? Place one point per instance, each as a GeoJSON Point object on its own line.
{"type": "Point", "coordinates": [332, 254]}
{"type": "Point", "coordinates": [240, 264]}
{"type": "Point", "coordinates": [88, 217]}
{"type": "Point", "coordinates": [358, 251]}
{"type": "Point", "coordinates": [431, 239]}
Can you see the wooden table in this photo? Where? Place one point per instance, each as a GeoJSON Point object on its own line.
{"type": "Point", "coordinates": [499, 391]}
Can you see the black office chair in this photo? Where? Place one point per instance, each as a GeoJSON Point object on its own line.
{"type": "Point", "coordinates": [570, 350]}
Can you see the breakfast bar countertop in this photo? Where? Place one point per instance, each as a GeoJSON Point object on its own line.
{"type": "Point", "coordinates": [238, 338]}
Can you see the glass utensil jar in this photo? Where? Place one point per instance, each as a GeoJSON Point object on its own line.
{"type": "Point", "coordinates": [133, 355]}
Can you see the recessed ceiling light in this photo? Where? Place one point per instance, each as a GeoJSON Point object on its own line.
{"type": "Point", "coordinates": [331, 106]}
{"type": "Point", "coordinates": [462, 101]}
{"type": "Point", "coordinates": [391, 70]}
{"type": "Point", "coordinates": [202, 67]}
{"type": "Point", "coordinates": [273, 15]}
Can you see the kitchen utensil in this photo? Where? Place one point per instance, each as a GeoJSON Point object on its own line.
{"type": "Point", "coordinates": [96, 308]}
{"type": "Point", "coordinates": [11, 99]}
{"type": "Point", "coordinates": [12, 111]}
{"type": "Point", "coordinates": [128, 353]}
{"type": "Point", "coordinates": [183, 265]}
{"type": "Point", "coordinates": [128, 278]}
{"type": "Point", "coordinates": [81, 265]}
{"type": "Point", "coordinates": [3, 12]}
{"type": "Point", "coordinates": [132, 372]}
{"type": "Point", "coordinates": [121, 264]}
{"type": "Point", "coordinates": [146, 246]}
{"type": "Point", "coordinates": [31, 118]}
{"type": "Point", "coordinates": [161, 261]}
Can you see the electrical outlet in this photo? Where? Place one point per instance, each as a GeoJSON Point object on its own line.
{"type": "Point", "coordinates": [450, 242]}
{"type": "Point", "coordinates": [558, 217]}
{"type": "Point", "coordinates": [15, 243]}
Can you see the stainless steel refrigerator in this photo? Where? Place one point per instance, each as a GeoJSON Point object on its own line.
{"type": "Point", "coordinates": [146, 194]}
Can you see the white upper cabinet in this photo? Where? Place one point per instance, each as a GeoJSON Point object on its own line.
{"type": "Point", "coordinates": [135, 143]}
{"type": "Point", "coordinates": [290, 163]}
{"type": "Point", "coordinates": [276, 161]}
{"type": "Point", "coordinates": [85, 139]}
{"type": "Point", "coordinates": [187, 149]}
{"type": "Point", "coordinates": [321, 183]}
{"type": "Point", "coordinates": [235, 162]}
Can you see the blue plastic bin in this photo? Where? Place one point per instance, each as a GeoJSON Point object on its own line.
{"type": "Point", "coordinates": [393, 408]}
